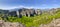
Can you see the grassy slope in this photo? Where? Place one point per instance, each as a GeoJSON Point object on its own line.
{"type": "Point", "coordinates": [36, 20]}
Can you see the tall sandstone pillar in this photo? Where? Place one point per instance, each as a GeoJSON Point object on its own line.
{"type": "Point", "coordinates": [37, 12]}
{"type": "Point", "coordinates": [17, 12]}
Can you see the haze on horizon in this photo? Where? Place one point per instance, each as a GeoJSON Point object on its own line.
{"type": "Point", "coordinates": [11, 4]}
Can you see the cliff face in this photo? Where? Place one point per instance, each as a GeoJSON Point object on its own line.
{"type": "Point", "coordinates": [25, 12]}
{"type": "Point", "coordinates": [32, 12]}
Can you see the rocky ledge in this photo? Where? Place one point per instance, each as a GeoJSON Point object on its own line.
{"type": "Point", "coordinates": [54, 23]}
{"type": "Point", "coordinates": [10, 24]}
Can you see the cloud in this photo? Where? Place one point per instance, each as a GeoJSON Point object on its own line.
{"type": "Point", "coordinates": [13, 7]}
{"type": "Point", "coordinates": [21, 6]}
{"type": "Point", "coordinates": [30, 7]}
{"type": "Point", "coordinates": [17, 6]}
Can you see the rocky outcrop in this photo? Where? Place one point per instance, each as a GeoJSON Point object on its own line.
{"type": "Point", "coordinates": [54, 23]}
{"type": "Point", "coordinates": [10, 24]}
{"type": "Point", "coordinates": [25, 12]}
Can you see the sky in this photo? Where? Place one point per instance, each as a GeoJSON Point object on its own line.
{"type": "Point", "coordinates": [11, 4]}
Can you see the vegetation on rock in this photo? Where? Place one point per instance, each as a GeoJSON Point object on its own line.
{"type": "Point", "coordinates": [35, 21]}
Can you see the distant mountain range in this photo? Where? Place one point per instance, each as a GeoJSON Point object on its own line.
{"type": "Point", "coordinates": [16, 9]}
{"type": "Point", "coordinates": [3, 11]}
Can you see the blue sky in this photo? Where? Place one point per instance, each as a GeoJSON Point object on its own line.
{"type": "Point", "coordinates": [11, 4]}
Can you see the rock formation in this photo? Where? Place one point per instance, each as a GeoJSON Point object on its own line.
{"type": "Point", "coordinates": [25, 12]}
{"type": "Point", "coordinates": [10, 24]}
{"type": "Point", "coordinates": [54, 23]}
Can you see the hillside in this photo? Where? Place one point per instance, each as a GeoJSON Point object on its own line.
{"type": "Point", "coordinates": [3, 11]}
{"type": "Point", "coordinates": [45, 18]}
